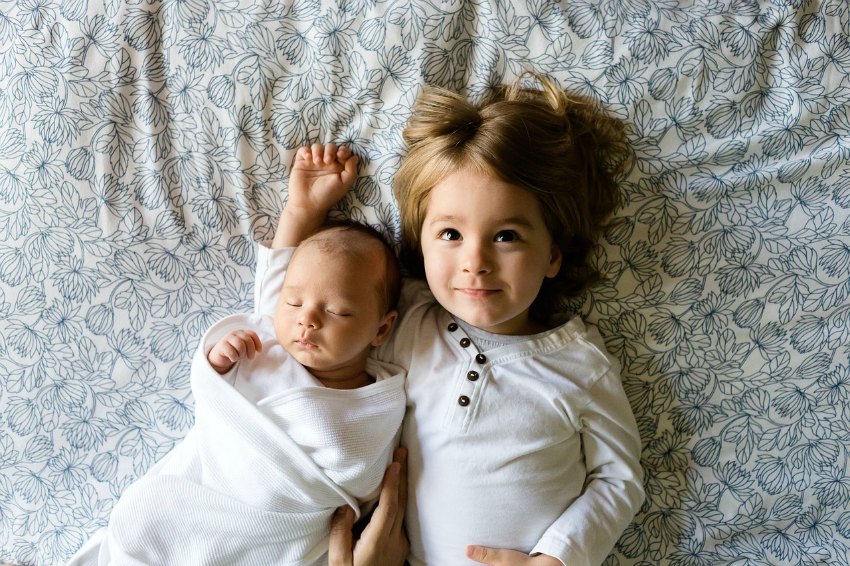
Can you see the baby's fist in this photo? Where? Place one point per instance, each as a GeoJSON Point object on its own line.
{"type": "Point", "coordinates": [233, 347]}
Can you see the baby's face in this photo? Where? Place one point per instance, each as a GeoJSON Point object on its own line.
{"type": "Point", "coordinates": [328, 313]}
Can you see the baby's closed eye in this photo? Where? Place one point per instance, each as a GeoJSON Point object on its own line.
{"type": "Point", "coordinates": [338, 311]}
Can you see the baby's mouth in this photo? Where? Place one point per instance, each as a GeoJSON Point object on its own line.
{"type": "Point", "coordinates": [304, 343]}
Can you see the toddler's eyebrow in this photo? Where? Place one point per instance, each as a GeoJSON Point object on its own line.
{"type": "Point", "coordinates": [513, 220]}
{"type": "Point", "coordinates": [517, 221]}
{"type": "Point", "coordinates": [444, 218]}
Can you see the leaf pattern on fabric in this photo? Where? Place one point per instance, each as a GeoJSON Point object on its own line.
{"type": "Point", "coordinates": [144, 146]}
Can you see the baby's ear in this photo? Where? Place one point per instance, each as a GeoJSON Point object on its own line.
{"type": "Point", "coordinates": [386, 328]}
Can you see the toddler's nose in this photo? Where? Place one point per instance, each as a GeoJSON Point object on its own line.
{"type": "Point", "coordinates": [476, 259]}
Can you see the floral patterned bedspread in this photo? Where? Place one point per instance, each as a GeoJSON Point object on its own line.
{"type": "Point", "coordinates": [144, 146]}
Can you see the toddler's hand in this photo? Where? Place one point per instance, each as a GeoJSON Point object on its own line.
{"type": "Point", "coordinates": [321, 175]}
{"type": "Point", "coordinates": [504, 557]}
{"type": "Point", "coordinates": [232, 348]}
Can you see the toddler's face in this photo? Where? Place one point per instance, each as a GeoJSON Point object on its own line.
{"type": "Point", "coordinates": [486, 250]}
{"type": "Point", "coordinates": [328, 312]}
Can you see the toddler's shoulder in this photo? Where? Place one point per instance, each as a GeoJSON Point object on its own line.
{"type": "Point", "coordinates": [414, 292]}
{"type": "Point", "coordinates": [581, 345]}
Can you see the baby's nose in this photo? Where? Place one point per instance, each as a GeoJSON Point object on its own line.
{"type": "Point", "coordinates": [308, 319]}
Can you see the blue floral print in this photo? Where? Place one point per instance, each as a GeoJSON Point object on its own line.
{"type": "Point", "coordinates": [145, 146]}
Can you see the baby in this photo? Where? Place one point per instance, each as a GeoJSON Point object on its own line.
{"type": "Point", "coordinates": [293, 419]}
{"type": "Point", "coordinates": [337, 301]}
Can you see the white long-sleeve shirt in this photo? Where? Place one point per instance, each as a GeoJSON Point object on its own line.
{"type": "Point", "coordinates": [531, 445]}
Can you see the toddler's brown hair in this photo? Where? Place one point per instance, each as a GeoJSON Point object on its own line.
{"type": "Point", "coordinates": [563, 148]}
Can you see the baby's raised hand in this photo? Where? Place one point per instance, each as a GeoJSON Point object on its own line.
{"type": "Point", "coordinates": [321, 175]}
{"type": "Point", "coordinates": [232, 348]}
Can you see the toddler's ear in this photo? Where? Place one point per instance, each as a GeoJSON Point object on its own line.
{"type": "Point", "coordinates": [555, 260]}
{"type": "Point", "coordinates": [385, 328]}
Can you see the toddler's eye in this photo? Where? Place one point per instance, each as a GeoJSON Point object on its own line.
{"type": "Point", "coordinates": [449, 234]}
{"type": "Point", "coordinates": [293, 303]}
{"type": "Point", "coordinates": [506, 236]}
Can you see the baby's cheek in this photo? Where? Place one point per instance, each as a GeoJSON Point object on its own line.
{"type": "Point", "coordinates": [281, 323]}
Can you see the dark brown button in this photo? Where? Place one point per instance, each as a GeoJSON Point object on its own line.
{"type": "Point", "coordinates": [463, 400]}
{"type": "Point", "coordinates": [472, 376]}
{"type": "Point", "coordinates": [480, 358]}
{"type": "Point", "coordinates": [465, 342]}
{"type": "Point", "coordinates": [452, 326]}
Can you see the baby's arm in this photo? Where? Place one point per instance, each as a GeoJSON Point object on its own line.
{"type": "Point", "coordinates": [321, 175]}
{"type": "Point", "coordinates": [235, 346]}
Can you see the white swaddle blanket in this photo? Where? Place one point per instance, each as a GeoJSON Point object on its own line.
{"type": "Point", "coordinates": [257, 483]}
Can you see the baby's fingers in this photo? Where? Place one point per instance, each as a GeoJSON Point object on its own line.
{"type": "Point", "coordinates": [304, 153]}
{"type": "Point", "coordinates": [247, 343]}
{"type": "Point", "coordinates": [343, 153]}
{"type": "Point", "coordinates": [349, 173]}
{"type": "Point", "coordinates": [258, 344]}
{"type": "Point", "coordinates": [238, 344]}
{"type": "Point", "coordinates": [227, 350]}
{"type": "Point", "coordinates": [317, 152]}
{"type": "Point", "coordinates": [330, 153]}
{"type": "Point", "coordinates": [327, 154]}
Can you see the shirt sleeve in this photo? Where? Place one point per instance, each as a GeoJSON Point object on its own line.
{"type": "Point", "coordinates": [589, 528]}
{"type": "Point", "coordinates": [270, 272]}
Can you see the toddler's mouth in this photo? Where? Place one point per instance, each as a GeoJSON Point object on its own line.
{"type": "Point", "coordinates": [476, 293]}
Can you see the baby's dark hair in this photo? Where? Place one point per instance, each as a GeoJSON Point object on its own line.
{"type": "Point", "coordinates": [391, 288]}
{"type": "Point", "coordinates": [561, 147]}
